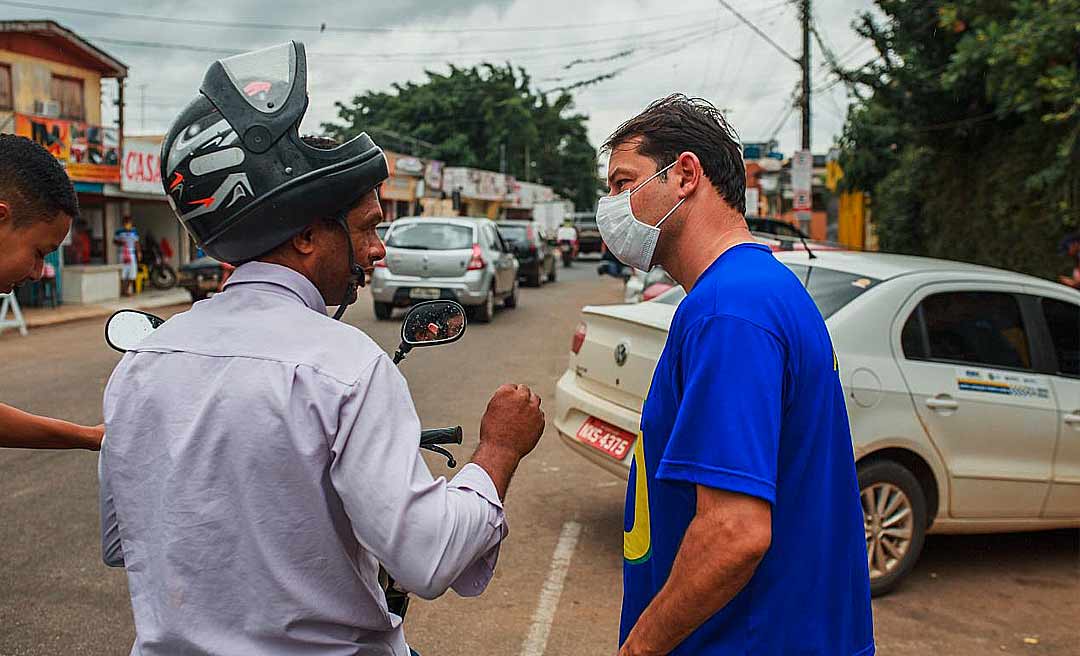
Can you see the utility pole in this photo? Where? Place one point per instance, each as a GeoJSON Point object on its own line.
{"type": "Point", "coordinates": [527, 161]}
{"type": "Point", "coordinates": [804, 61]}
{"type": "Point", "coordinates": [502, 157]}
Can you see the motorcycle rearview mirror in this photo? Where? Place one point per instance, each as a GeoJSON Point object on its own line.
{"type": "Point", "coordinates": [431, 323]}
{"type": "Point", "coordinates": [126, 328]}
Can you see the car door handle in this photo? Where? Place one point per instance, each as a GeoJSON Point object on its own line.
{"type": "Point", "coordinates": [942, 403]}
{"type": "Point", "coordinates": [1072, 419]}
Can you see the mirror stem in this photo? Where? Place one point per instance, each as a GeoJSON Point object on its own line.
{"type": "Point", "coordinates": [402, 350]}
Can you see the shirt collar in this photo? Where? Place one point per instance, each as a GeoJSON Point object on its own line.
{"type": "Point", "coordinates": [280, 276]}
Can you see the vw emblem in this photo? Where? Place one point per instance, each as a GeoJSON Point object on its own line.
{"type": "Point", "coordinates": [620, 354]}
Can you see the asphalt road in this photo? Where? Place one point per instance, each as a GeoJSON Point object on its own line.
{"type": "Point", "coordinates": [969, 595]}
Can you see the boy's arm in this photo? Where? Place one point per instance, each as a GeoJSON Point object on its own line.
{"type": "Point", "coordinates": [23, 430]}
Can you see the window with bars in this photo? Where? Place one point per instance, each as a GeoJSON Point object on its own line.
{"type": "Point", "coordinates": [68, 91]}
{"type": "Point", "coordinates": [6, 95]}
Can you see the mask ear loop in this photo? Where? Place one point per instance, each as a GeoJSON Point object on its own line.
{"type": "Point", "coordinates": [356, 272]}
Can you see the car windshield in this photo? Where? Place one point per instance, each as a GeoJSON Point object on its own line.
{"type": "Point", "coordinates": [431, 236]}
{"type": "Point", "coordinates": [513, 233]}
{"type": "Point", "coordinates": [830, 290]}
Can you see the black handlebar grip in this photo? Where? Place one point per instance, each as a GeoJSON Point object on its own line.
{"type": "Point", "coordinates": [441, 436]}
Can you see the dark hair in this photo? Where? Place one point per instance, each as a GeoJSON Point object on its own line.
{"type": "Point", "coordinates": [677, 124]}
{"type": "Point", "coordinates": [34, 182]}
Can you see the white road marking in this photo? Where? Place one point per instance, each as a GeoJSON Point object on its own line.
{"type": "Point", "coordinates": [536, 642]}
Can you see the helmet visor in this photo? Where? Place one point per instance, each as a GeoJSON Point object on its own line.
{"type": "Point", "coordinates": [264, 77]}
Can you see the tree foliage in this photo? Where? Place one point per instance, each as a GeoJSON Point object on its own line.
{"type": "Point", "coordinates": [476, 117]}
{"type": "Point", "coordinates": [967, 129]}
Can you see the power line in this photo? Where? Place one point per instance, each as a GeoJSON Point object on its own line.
{"type": "Point", "coordinates": [758, 31]}
{"type": "Point", "coordinates": [404, 56]}
{"type": "Point", "coordinates": [321, 28]}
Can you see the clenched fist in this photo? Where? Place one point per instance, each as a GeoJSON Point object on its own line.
{"type": "Point", "coordinates": [513, 421]}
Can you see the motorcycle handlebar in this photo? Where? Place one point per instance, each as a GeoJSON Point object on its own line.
{"type": "Point", "coordinates": [433, 436]}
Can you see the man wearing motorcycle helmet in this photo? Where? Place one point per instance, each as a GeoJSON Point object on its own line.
{"type": "Point", "coordinates": [262, 459]}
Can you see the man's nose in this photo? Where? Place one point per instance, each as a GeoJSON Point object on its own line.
{"type": "Point", "coordinates": [378, 252]}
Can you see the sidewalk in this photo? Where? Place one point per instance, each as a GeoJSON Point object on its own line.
{"type": "Point", "coordinates": [38, 317]}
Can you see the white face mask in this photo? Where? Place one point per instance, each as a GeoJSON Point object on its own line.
{"type": "Point", "coordinates": [630, 240]}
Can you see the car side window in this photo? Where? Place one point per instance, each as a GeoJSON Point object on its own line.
{"type": "Point", "coordinates": [913, 337]}
{"type": "Point", "coordinates": [978, 328]}
{"type": "Point", "coordinates": [1063, 320]}
{"type": "Point", "coordinates": [499, 243]}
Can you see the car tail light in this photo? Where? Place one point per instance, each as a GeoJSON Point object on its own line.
{"type": "Point", "coordinates": [579, 339]}
{"type": "Point", "coordinates": [477, 259]}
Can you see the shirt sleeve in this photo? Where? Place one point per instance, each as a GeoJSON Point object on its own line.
{"type": "Point", "coordinates": [726, 432]}
{"type": "Point", "coordinates": [429, 534]}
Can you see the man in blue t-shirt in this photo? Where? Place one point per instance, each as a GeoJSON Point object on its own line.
{"type": "Point", "coordinates": [743, 530]}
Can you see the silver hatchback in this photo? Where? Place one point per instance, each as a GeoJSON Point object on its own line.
{"type": "Point", "coordinates": [460, 259]}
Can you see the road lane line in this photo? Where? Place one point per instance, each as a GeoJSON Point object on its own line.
{"type": "Point", "coordinates": [536, 642]}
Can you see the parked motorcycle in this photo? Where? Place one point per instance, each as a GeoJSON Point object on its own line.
{"type": "Point", "coordinates": [431, 323]}
{"type": "Point", "coordinates": [162, 275]}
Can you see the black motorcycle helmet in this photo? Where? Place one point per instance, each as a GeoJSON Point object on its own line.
{"type": "Point", "coordinates": [235, 170]}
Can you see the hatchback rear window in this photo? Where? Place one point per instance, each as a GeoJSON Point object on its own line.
{"type": "Point", "coordinates": [513, 233]}
{"type": "Point", "coordinates": [431, 236]}
{"type": "Point", "coordinates": [831, 290]}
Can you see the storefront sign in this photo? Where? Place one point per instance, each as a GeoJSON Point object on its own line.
{"type": "Point", "coordinates": [476, 183]}
{"type": "Point", "coordinates": [89, 153]}
{"type": "Point", "coordinates": [409, 166]}
{"type": "Point", "coordinates": [433, 175]}
{"type": "Point", "coordinates": [141, 171]}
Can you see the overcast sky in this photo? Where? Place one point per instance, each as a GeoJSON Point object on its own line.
{"type": "Point", "coordinates": [693, 46]}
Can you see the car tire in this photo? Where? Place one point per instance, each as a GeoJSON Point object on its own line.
{"type": "Point", "coordinates": [511, 300]}
{"type": "Point", "coordinates": [383, 311]}
{"type": "Point", "coordinates": [905, 518]}
{"type": "Point", "coordinates": [484, 312]}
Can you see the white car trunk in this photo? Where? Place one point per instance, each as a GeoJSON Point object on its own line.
{"type": "Point", "coordinates": [636, 331]}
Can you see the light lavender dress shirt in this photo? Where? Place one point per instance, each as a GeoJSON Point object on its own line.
{"type": "Point", "coordinates": [261, 460]}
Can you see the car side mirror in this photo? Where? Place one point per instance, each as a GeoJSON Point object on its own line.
{"type": "Point", "coordinates": [431, 323]}
{"type": "Point", "coordinates": [127, 328]}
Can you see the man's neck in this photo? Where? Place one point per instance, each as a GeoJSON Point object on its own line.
{"type": "Point", "coordinates": [700, 244]}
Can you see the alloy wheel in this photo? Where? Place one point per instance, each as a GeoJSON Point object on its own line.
{"type": "Point", "coordinates": [888, 521]}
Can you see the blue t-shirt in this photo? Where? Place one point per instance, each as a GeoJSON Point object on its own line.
{"type": "Point", "coordinates": [746, 398]}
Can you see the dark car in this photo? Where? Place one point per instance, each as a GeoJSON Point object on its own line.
{"type": "Point", "coordinates": [533, 252]}
{"type": "Point", "coordinates": [589, 240]}
{"type": "Point", "coordinates": [201, 276]}
{"type": "Point", "coordinates": [774, 228]}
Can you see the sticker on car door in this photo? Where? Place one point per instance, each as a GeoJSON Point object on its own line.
{"type": "Point", "coordinates": [1008, 384]}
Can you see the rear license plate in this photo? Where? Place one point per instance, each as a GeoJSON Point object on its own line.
{"type": "Point", "coordinates": [424, 292]}
{"type": "Point", "coordinates": [602, 436]}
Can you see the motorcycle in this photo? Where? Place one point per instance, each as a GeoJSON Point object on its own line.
{"type": "Point", "coordinates": [568, 249]}
{"type": "Point", "coordinates": [162, 275]}
{"type": "Point", "coordinates": [431, 323]}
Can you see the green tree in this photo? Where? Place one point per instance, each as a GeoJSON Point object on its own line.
{"type": "Point", "coordinates": [967, 129]}
{"type": "Point", "coordinates": [476, 117]}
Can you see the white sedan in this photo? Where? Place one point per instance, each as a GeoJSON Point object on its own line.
{"type": "Point", "coordinates": [962, 386]}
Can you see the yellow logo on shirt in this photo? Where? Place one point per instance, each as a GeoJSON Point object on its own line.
{"type": "Point", "coordinates": [637, 544]}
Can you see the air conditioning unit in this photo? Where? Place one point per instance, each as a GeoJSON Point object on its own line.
{"type": "Point", "coordinates": [47, 108]}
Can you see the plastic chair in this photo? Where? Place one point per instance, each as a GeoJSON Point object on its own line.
{"type": "Point", "coordinates": [141, 278]}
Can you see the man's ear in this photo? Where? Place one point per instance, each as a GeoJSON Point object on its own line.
{"type": "Point", "coordinates": [5, 213]}
{"type": "Point", "coordinates": [304, 241]}
{"type": "Point", "coordinates": [688, 168]}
